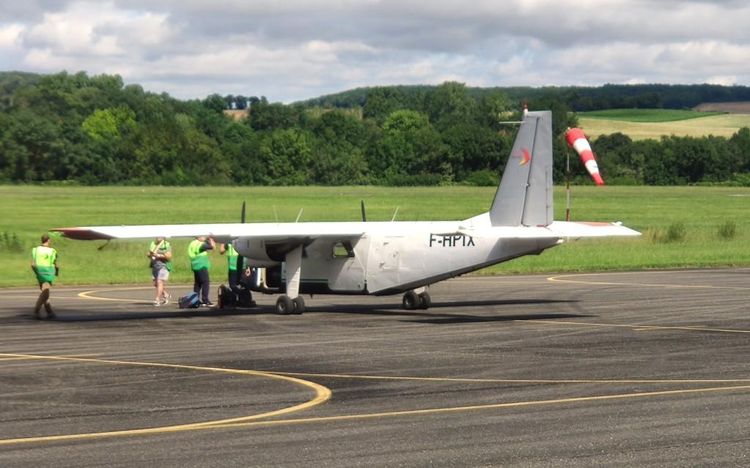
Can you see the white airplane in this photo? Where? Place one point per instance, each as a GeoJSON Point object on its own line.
{"type": "Point", "coordinates": [384, 258]}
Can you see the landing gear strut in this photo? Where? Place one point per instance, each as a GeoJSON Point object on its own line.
{"type": "Point", "coordinates": [285, 305]}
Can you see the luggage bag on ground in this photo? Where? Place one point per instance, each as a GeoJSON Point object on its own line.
{"type": "Point", "coordinates": [191, 301]}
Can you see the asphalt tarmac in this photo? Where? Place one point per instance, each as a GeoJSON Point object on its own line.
{"type": "Point", "coordinates": [627, 369]}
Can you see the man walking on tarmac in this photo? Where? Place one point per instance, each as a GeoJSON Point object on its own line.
{"type": "Point", "coordinates": [44, 264]}
{"type": "Point", "coordinates": [199, 263]}
{"type": "Point", "coordinates": [160, 253]}
{"type": "Point", "coordinates": [237, 293]}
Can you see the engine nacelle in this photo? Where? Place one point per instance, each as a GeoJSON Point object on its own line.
{"type": "Point", "coordinates": [255, 253]}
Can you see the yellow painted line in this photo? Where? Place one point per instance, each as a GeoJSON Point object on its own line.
{"type": "Point", "coordinates": [513, 381]}
{"type": "Point", "coordinates": [517, 404]}
{"type": "Point", "coordinates": [322, 394]}
{"type": "Point", "coordinates": [259, 420]}
{"type": "Point", "coordinates": [88, 295]}
{"type": "Point", "coordinates": [637, 327]}
{"type": "Point", "coordinates": [566, 279]}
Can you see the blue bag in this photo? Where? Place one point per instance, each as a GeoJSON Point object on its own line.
{"type": "Point", "coordinates": [191, 301]}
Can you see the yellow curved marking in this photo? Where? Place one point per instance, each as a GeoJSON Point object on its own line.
{"type": "Point", "coordinates": [515, 381]}
{"type": "Point", "coordinates": [87, 295]}
{"type": "Point", "coordinates": [455, 409]}
{"type": "Point", "coordinates": [253, 421]}
{"type": "Point", "coordinates": [566, 279]}
{"type": "Point", "coordinates": [322, 394]}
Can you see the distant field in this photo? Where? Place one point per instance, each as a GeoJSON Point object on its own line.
{"type": "Point", "coordinates": [737, 107]}
{"type": "Point", "coordinates": [646, 115]}
{"type": "Point", "coordinates": [641, 124]}
{"type": "Point", "coordinates": [698, 213]}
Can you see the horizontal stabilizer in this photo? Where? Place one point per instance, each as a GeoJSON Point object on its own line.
{"type": "Point", "coordinates": [590, 229]}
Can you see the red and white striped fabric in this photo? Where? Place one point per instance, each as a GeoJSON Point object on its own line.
{"type": "Point", "coordinates": [577, 140]}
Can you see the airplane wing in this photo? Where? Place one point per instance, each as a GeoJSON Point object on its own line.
{"type": "Point", "coordinates": [220, 232]}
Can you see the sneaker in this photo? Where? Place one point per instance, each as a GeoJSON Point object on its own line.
{"type": "Point", "coordinates": [167, 297]}
{"type": "Point", "coordinates": [158, 303]}
{"type": "Point", "coordinates": [207, 304]}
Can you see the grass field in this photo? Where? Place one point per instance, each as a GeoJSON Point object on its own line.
{"type": "Point", "coordinates": [641, 124]}
{"type": "Point", "coordinates": [680, 224]}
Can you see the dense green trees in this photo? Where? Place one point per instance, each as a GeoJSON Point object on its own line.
{"type": "Point", "coordinates": [96, 130]}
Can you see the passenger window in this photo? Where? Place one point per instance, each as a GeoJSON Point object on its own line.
{"type": "Point", "coordinates": [343, 250]}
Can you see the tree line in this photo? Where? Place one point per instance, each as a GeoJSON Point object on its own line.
{"type": "Point", "coordinates": [97, 130]}
{"type": "Point", "coordinates": [577, 98]}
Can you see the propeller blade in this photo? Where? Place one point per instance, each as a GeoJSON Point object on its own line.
{"type": "Point", "coordinates": [362, 206]}
{"type": "Point", "coordinates": [241, 259]}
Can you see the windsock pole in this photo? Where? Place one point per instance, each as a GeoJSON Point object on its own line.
{"type": "Point", "coordinates": [567, 185]}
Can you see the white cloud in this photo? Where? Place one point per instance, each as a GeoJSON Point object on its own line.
{"type": "Point", "coordinates": [298, 49]}
{"type": "Point", "coordinates": [10, 35]}
{"type": "Point", "coordinates": [722, 80]}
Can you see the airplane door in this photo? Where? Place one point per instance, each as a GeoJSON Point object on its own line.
{"type": "Point", "coordinates": [347, 267]}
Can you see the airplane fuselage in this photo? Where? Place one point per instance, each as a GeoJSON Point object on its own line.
{"type": "Point", "coordinates": [391, 257]}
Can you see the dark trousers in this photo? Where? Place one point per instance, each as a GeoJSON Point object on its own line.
{"type": "Point", "coordinates": [234, 280]}
{"type": "Point", "coordinates": [201, 283]}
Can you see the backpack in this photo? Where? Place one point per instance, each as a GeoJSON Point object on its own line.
{"type": "Point", "coordinates": [191, 301]}
{"type": "Point", "coordinates": [227, 297]}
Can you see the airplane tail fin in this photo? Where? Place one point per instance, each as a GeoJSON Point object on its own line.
{"type": "Point", "coordinates": [524, 197]}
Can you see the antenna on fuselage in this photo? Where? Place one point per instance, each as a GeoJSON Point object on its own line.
{"type": "Point", "coordinates": [395, 212]}
{"type": "Point", "coordinates": [299, 215]}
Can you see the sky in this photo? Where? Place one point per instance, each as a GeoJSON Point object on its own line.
{"type": "Point", "coordinates": [289, 50]}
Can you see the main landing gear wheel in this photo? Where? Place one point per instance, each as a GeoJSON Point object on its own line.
{"type": "Point", "coordinates": [412, 301]}
{"type": "Point", "coordinates": [424, 301]}
{"type": "Point", "coordinates": [299, 305]}
{"type": "Point", "coordinates": [284, 305]}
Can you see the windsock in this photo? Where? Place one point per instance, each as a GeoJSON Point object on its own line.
{"type": "Point", "coordinates": [577, 140]}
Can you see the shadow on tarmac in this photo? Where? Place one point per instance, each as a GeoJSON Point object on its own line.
{"type": "Point", "coordinates": [429, 316]}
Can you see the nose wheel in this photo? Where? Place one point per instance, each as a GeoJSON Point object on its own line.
{"type": "Point", "coordinates": [413, 301]}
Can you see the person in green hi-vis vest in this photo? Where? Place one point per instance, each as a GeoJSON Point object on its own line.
{"type": "Point", "coordinates": [200, 263]}
{"type": "Point", "coordinates": [44, 264]}
{"type": "Point", "coordinates": [238, 292]}
{"type": "Point", "coordinates": [233, 273]}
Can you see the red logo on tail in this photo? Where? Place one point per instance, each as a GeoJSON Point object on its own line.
{"type": "Point", "coordinates": [524, 157]}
